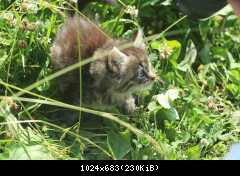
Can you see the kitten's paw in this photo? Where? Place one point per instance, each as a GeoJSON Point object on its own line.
{"type": "Point", "coordinates": [130, 106]}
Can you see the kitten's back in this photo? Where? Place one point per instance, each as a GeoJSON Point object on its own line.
{"type": "Point", "coordinates": [76, 37]}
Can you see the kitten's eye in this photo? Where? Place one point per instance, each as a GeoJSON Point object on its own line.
{"type": "Point", "coordinates": [141, 74]}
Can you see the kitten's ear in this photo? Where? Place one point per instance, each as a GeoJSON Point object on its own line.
{"type": "Point", "coordinates": [139, 40]}
{"type": "Point", "coordinates": [116, 60]}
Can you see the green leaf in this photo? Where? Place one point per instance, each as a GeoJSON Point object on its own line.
{"type": "Point", "coordinates": [3, 59]}
{"type": "Point", "coordinates": [205, 53]}
{"type": "Point", "coordinates": [173, 44]}
{"type": "Point", "coordinates": [119, 144]}
{"type": "Point", "coordinates": [225, 11]}
{"type": "Point", "coordinates": [34, 152]}
{"type": "Point", "coordinates": [176, 47]}
{"type": "Point", "coordinates": [211, 82]}
{"type": "Point", "coordinates": [235, 75]}
{"type": "Point", "coordinates": [194, 153]}
{"type": "Point", "coordinates": [190, 57]}
{"type": "Point", "coordinates": [167, 2]}
{"type": "Point", "coordinates": [153, 106]}
{"type": "Point", "coordinates": [169, 114]}
{"type": "Point", "coordinates": [233, 89]}
{"type": "Point", "coordinates": [156, 45]}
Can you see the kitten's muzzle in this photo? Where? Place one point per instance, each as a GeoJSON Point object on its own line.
{"type": "Point", "coordinates": [149, 78]}
{"type": "Point", "coordinates": [152, 76]}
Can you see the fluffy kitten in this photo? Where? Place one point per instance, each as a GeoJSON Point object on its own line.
{"type": "Point", "coordinates": [110, 80]}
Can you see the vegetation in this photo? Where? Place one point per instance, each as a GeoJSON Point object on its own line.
{"type": "Point", "coordinates": [191, 112]}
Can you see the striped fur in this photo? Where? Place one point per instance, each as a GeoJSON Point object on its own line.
{"type": "Point", "coordinates": [109, 80]}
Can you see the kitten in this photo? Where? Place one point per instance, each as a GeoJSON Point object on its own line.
{"type": "Point", "coordinates": [110, 80]}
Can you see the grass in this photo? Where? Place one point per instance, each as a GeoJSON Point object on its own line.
{"type": "Point", "coordinates": [192, 113]}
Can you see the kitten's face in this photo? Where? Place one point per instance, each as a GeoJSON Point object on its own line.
{"type": "Point", "coordinates": [126, 70]}
{"type": "Point", "coordinates": [131, 69]}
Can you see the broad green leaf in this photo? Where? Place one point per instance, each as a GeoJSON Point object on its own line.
{"type": "Point", "coordinates": [173, 44]}
{"type": "Point", "coordinates": [156, 45]}
{"type": "Point", "coordinates": [169, 114]}
{"type": "Point", "coordinates": [234, 89]}
{"type": "Point", "coordinates": [34, 152]}
{"type": "Point", "coordinates": [119, 144]}
{"type": "Point", "coordinates": [235, 75]}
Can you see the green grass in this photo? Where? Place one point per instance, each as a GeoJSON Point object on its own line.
{"type": "Point", "coordinates": [192, 112]}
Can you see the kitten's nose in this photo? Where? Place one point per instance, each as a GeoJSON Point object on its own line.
{"type": "Point", "coordinates": [152, 76]}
